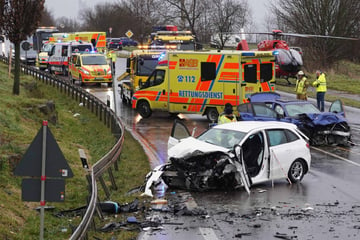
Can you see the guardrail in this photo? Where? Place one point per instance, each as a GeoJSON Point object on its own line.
{"type": "Point", "coordinates": [107, 116]}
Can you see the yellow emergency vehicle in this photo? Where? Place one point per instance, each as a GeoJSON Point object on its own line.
{"type": "Point", "coordinates": [42, 59]}
{"type": "Point", "coordinates": [203, 82]}
{"type": "Point", "coordinates": [140, 65]}
{"type": "Point", "coordinates": [89, 68]}
{"type": "Point", "coordinates": [98, 39]}
{"type": "Point", "coordinates": [171, 40]}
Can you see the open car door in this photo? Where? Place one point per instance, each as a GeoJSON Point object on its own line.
{"type": "Point", "coordinates": [241, 168]}
{"type": "Point", "coordinates": [179, 131]}
{"type": "Point", "coordinates": [337, 107]}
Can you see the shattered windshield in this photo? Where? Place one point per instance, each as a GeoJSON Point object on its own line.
{"type": "Point", "coordinates": [295, 109]}
{"type": "Point", "coordinates": [222, 137]}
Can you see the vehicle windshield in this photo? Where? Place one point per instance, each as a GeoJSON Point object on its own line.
{"type": "Point", "coordinates": [294, 109]}
{"type": "Point", "coordinates": [94, 60]}
{"type": "Point", "coordinates": [81, 48]}
{"type": "Point", "coordinates": [186, 46]}
{"type": "Point", "coordinates": [147, 64]}
{"type": "Point", "coordinates": [46, 47]}
{"type": "Point", "coordinates": [222, 137]}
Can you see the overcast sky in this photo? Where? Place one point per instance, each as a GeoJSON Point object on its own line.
{"type": "Point", "coordinates": [70, 8]}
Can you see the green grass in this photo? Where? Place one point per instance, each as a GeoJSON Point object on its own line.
{"type": "Point", "coordinates": [20, 120]}
{"type": "Point", "coordinates": [344, 77]}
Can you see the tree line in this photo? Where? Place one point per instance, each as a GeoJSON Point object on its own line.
{"type": "Point", "coordinates": [204, 18]}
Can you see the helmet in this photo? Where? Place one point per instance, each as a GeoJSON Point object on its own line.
{"type": "Point", "coordinates": [301, 73]}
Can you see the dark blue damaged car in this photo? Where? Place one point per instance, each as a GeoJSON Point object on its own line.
{"type": "Point", "coordinates": [322, 128]}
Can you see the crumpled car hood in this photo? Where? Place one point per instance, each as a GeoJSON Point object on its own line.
{"type": "Point", "coordinates": [191, 146]}
{"type": "Point", "coordinates": [326, 118]}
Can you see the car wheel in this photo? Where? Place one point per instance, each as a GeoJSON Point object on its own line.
{"type": "Point", "coordinates": [81, 82]}
{"type": "Point", "coordinates": [143, 109]}
{"type": "Point", "coordinates": [65, 71]}
{"type": "Point", "coordinates": [49, 69]}
{"type": "Point", "coordinates": [296, 171]}
{"type": "Point", "coordinates": [212, 114]}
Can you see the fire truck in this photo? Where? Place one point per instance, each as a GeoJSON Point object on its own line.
{"type": "Point", "coordinates": [140, 65]}
{"type": "Point", "coordinates": [203, 82]}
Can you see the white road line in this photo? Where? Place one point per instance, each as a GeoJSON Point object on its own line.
{"type": "Point", "coordinates": [208, 233]}
{"type": "Point", "coordinates": [336, 156]}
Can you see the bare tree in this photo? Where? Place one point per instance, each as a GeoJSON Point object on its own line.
{"type": "Point", "coordinates": [18, 20]}
{"type": "Point", "coordinates": [47, 18]}
{"type": "Point", "coordinates": [322, 17]}
{"type": "Point", "coordinates": [142, 16]}
{"type": "Point", "coordinates": [101, 17]}
{"type": "Point", "coordinates": [228, 16]}
{"type": "Point", "coordinates": [187, 11]}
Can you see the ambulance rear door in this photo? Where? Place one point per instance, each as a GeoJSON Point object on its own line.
{"type": "Point", "coordinates": [258, 75]}
{"type": "Point", "coordinates": [192, 85]}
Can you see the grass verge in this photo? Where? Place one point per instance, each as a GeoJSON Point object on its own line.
{"type": "Point", "coordinates": [76, 127]}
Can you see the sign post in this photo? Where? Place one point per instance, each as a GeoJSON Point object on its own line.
{"type": "Point", "coordinates": [43, 177]}
{"type": "Point", "coordinates": [47, 167]}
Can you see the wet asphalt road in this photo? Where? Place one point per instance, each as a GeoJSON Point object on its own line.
{"type": "Point", "coordinates": [325, 205]}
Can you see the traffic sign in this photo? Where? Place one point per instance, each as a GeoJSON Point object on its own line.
{"type": "Point", "coordinates": [129, 33]}
{"type": "Point", "coordinates": [56, 164]}
{"type": "Point", "coordinates": [31, 190]}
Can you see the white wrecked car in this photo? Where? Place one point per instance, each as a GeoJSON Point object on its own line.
{"type": "Point", "coordinates": [232, 155]}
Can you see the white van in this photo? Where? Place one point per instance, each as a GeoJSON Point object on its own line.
{"type": "Point", "coordinates": [61, 52]}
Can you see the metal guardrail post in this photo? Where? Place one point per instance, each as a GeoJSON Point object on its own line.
{"type": "Point", "coordinates": [112, 179]}
{"type": "Point", "coordinates": [101, 165]}
{"type": "Point", "coordinates": [105, 188]}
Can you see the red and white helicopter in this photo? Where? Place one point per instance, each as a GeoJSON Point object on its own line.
{"type": "Point", "coordinates": [288, 60]}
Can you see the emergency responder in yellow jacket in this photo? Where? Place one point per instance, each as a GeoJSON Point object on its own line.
{"type": "Point", "coordinates": [320, 85]}
{"type": "Point", "coordinates": [227, 116]}
{"type": "Point", "coordinates": [112, 55]}
{"type": "Point", "coordinates": [301, 86]}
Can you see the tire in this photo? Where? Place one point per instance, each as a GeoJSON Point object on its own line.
{"type": "Point", "coordinates": [124, 100]}
{"type": "Point", "coordinates": [297, 171]}
{"type": "Point", "coordinates": [65, 71]}
{"type": "Point", "coordinates": [109, 84]}
{"type": "Point", "coordinates": [81, 82]}
{"type": "Point", "coordinates": [212, 114]}
{"type": "Point", "coordinates": [143, 108]}
{"type": "Point", "coordinates": [49, 69]}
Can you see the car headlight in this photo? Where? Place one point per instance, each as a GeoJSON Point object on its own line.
{"type": "Point", "coordinates": [22, 58]}
{"type": "Point", "coordinates": [85, 72]}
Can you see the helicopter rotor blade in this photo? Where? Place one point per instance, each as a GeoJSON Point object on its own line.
{"type": "Point", "coordinates": [278, 33]}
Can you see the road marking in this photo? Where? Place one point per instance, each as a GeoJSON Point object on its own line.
{"type": "Point", "coordinates": [208, 233]}
{"type": "Point", "coordinates": [337, 156]}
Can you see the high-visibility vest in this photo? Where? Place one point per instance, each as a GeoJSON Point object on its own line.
{"type": "Point", "coordinates": [300, 86]}
{"type": "Point", "coordinates": [320, 83]}
{"type": "Point", "coordinates": [223, 118]}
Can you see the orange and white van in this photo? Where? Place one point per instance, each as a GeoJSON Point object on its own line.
{"type": "Point", "coordinates": [203, 82]}
{"type": "Point", "coordinates": [90, 68]}
{"type": "Point", "coordinates": [58, 61]}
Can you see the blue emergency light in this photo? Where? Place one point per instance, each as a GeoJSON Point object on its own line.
{"type": "Point", "coordinates": [248, 54]}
